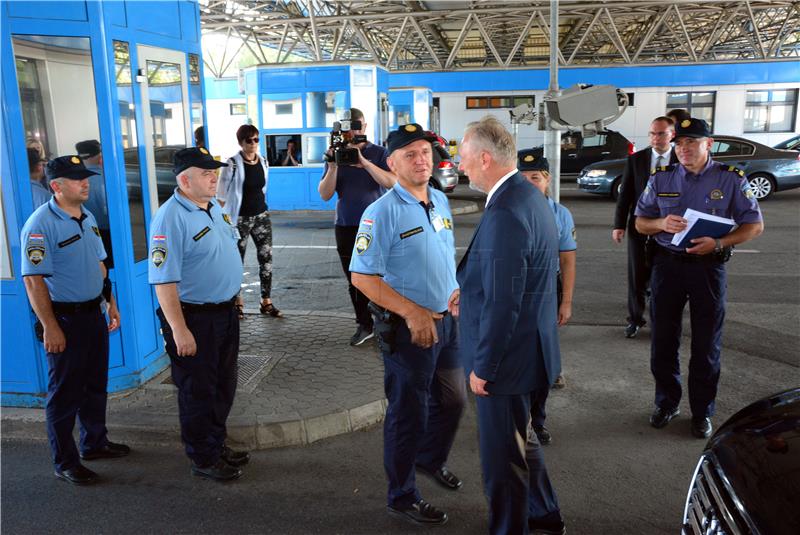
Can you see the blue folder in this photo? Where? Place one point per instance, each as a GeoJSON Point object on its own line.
{"type": "Point", "coordinates": [705, 227]}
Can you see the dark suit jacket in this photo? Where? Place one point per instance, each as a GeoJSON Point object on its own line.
{"type": "Point", "coordinates": [634, 179]}
{"type": "Point", "coordinates": [508, 292]}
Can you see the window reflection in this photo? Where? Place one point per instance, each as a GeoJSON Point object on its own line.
{"type": "Point", "coordinates": [59, 111]}
{"type": "Point", "coordinates": [196, 98]}
{"type": "Point", "coordinates": [130, 148]}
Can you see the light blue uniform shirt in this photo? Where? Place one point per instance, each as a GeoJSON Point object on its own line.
{"type": "Point", "coordinates": [414, 253]}
{"type": "Point", "coordinates": [195, 249]}
{"type": "Point", "coordinates": [566, 226]}
{"type": "Point", "coordinates": [40, 194]}
{"type": "Point", "coordinates": [67, 252]}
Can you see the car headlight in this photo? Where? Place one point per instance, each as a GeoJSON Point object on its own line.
{"type": "Point", "coordinates": [593, 173]}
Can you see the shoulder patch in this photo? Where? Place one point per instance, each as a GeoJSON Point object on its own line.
{"type": "Point", "coordinates": [158, 255]}
{"type": "Point", "coordinates": [662, 168]}
{"type": "Point", "coordinates": [731, 169]}
{"type": "Point", "coordinates": [448, 223]}
{"type": "Point", "coordinates": [363, 239]}
{"type": "Point", "coordinates": [226, 218]}
{"type": "Point", "coordinates": [96, 231]}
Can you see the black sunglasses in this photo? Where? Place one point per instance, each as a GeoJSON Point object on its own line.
{"type": "Point", "coordinates": [252, 140]}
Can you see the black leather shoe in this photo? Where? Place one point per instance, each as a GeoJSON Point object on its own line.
{"type": "Point", "coordinates": [109, 451]}
{"type": "Point", "coordinates": [543, 435]}
{"type": "Point", "coordinates": [661, 417]}
{"type": "Point", "coordinates": [233, 457]}
{"type": "Point", "coordinates": [701, 427]}
{"type": "Point", "coordinates": [221, 471]}
{"type": "Point", "coordinates": [546, 528]}
{"type": "Point", "coordinates": [443, 476]}
{"type": "Point", "coordinates": [78, 475]}
{"type": "Point", "coordinates": [420, 513]}
{"type": "Point", "coordinates": [632, 330]}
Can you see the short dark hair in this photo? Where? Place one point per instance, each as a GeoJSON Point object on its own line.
{"type": "Point", "coordinates": [678, 115]}
{"type": "Point", "coordinates": [664, 118]}
{"type": "Point", "coordinates": [356, 114]}
{"type": "Point", "coordinates": [246, 131]}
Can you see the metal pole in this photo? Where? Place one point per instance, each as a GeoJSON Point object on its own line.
{"type": "Point", "coordinates": [552, 137]}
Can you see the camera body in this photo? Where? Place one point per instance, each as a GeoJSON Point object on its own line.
{"type": "Point", "coordinates": [342, 136]}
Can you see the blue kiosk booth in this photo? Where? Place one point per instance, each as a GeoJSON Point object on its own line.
{"type": "Point", "coordinates": [127, 74]}
{"type": "Point", "coordinates": [294, 108]}
{"type": "Point", "coordinates": [411, 105]}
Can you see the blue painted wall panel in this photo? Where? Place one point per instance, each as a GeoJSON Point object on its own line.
{"type": "Point", "coordinates": [46, 9]}
{"type": "Point", "coordinates": [328, 78]}
{"type": "Point", "coordinates": [155, 17]}
{"type": "Point", "coordinates": [116, 13]}
{"type": "Point", "coordinates": [628, 77]}
{"type": "Point", "coordinates": [189, 23]}
{"type": "Point", "coordinates": [274, 81]}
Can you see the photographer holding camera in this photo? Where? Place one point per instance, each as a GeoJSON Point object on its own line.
{"type": "Point", "coordinates": [356, 170]}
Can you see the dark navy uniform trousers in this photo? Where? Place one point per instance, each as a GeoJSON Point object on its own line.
{"type": "Point", "coordinates": [676, 279]}
{"type": "Point", "coordinates": [426, 392]}
{"type": "Point", "coordinates": [207, 381]}
{"type": "Point", "coordinates": [77, 382]}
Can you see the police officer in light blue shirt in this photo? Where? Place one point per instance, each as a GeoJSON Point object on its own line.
{"type": "Point", "coordinates": [197, 271]}
{"type": "Point", "coordinates": [404, 262]}
{"type": "Point", "coordinates": [695, 273]}
{"type": "Point", "coordinates": [536, 169]}
{"type": "Point", "coordinates": [64, 276]}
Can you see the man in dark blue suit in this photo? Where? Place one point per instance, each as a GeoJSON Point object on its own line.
{"type": "Point", "coordinates": [509, 338]}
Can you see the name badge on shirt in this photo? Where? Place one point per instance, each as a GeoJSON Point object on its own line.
{"type": "Point", "coordinates": [438, 223]}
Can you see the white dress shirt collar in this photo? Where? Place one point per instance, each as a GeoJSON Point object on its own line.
{"type": "Point", "coordinates": [498, 184]}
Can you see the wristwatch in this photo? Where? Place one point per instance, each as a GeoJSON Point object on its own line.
{"type": "Point", "coordinates": [717, 246]}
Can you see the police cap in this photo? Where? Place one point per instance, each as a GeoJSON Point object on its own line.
{"type": "Point", "coordinates": [67, 167]}
{"type": "Point", "coordinates": [194, 157]}
{"type": "Point", "coordinates": [406, 134]}
{"type": "Point", "coordinates": [88, 148]}
{"type": "Point", "coordinates": [695, 128]}
{"type": "Point", "coordinates": [528, 160]}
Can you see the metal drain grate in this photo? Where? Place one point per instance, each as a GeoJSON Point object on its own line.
{"type": "Point", "coordinates": [252, 369]}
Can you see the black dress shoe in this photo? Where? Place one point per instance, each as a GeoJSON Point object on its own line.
{"type": "Point", "coordinates": [632, 330]}
{"type": "Point", "coordinates": [701, 427]}
{"type": "Point", "coordinates": [220, 471]}
{"type": "Point", "coordinates": [543, 435]}
{"type": "Point", "coordinates": [556, 527]}
{"type": "Point", "coordinates": [109, 451]}
{"type": "Point", "coordinates": [233, 457]}
{"type": "Point", "coordinates": [443, 476]}
{"type": "Point", "coordinates": [420, 513]}
{"type": "Point", "coordinates": [661, 417]}
{"type": "Point", "coordinates": [77, 475]}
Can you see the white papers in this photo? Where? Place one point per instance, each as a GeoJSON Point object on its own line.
{"type": "Point", "coordinates": [692, 217]}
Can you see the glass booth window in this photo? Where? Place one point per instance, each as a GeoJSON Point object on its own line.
{"type": "Point", "coordinates": [130, 148]}
{"type": "Point", "coordinates": [323, 108]}
{"type": "Point", "coordinates": [284, 150]}
{"type": "Point", "coordinates": [59, 110]}
{"type": "Point", "coordinates": [314, 147]}
{"type": "Point", "coordinates": [282, 110]}
{"type": "Point", "coordinates": [166, 103]}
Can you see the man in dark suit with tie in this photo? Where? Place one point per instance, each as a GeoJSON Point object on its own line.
{"type": "Point", "coordinates": [509, 338]}
{"type": "Point", "coordinates": [634, 179]}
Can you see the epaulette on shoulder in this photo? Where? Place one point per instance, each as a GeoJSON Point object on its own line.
{"type": "Point", "coordinates": [662, 168]}
{"type": "Point", "coordinates": [731, 169]}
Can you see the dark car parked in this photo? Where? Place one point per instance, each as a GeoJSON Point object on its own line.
{"type": "Point", "coordinates": [748, 478]}
{"type": "Point", "coordinates": [793, 143]}
{"type": "Point", "coordinates": [577, 152]}
{"type": "Point", "coordinates": [768, 170]}
{"type": "Point", "coordinates": [165, 178]}
{"type": "Point", "coordinates": [445, 175]}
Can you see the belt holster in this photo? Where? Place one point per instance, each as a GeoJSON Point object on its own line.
{"type": "Point", "coordinates": [386, 323]}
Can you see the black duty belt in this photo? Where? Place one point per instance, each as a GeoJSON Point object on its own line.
{"type": "Point", "coordinates": [208, 307]}
{"type": "Point", "coordinates": [385, 314]}
{"type": "Point", "coordinates": [61, 307]}
{"type": "Point", "coordinates": [711, 258]}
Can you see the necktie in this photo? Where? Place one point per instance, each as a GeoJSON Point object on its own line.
{"type": "Point", "coordinates": [659, 161]}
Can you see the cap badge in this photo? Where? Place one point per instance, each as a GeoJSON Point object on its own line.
{"type": "Point", "coordinates": [528, 158]}
{"type": "Point", "coordinates": [204, 151]}
{"type": "Point", "coordinates": [75, 160]}
{"type": "Point", "coordinates": [686, 123]}
{"type": "Point", "coordinates": [410, 128]}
